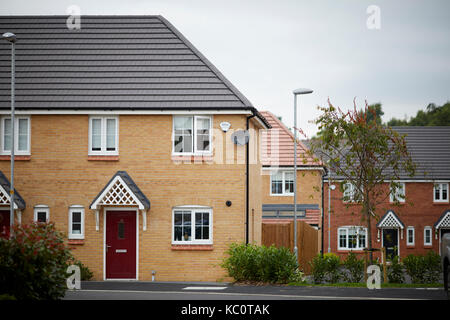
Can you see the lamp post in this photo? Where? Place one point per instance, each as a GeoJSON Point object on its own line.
{"type": "Point", "coordinates": [11, 38]}
{"type": "Point", "coordinates": [330, 187]}
{"type": "Point", "coordinates": [296, 92]}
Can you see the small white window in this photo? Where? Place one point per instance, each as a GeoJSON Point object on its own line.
{"type": "Point", "coordinates": [440, 192]}
{"type": "Point", "coordinates": [192, 135]}
{"type": "Point", "coordinates": [103, 135]}
{"type": "Point", "coordinates": [282, 183]}
{"type": "Point", "coordinates": [76, 222]}
{"type": "Point", "coordinates": [192, 225]}
{"type": "Point", "coordinates": [352, 238]}
{"type": "Point", "coordinates": [427, 236]}
{"type": "Point", "coordinates": [22, 135]}
{"type": "Point", "coordinates": [410, 236]}
{"type": "Point", "coordinates": [41, 213]}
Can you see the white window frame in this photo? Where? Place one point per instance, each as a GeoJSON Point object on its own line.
{"type": "Point", "coordinates": [283, 182]}
{"type": "Point", "coordinates": [425, 230]}
{"type": "Point", "coordinates": [193, 210]}
{"type": "Point", "coordinates": [41, 208]}
{"type": "Point", "coordinates": [346, 229]}
{"type": "Point", "coordinates": [17, 152]}
{"type": "Point", "coordinates": [72, 209]}
{"type": "Point", "coordinates": [399, 197]}
{"type": "Point", "coordinates": [440, 184]}
{"type": "Point", "coordinates": [103, 150]}
{"type": "Point", "coordinates": [408, 230]}
{"type": "Point", "coordinates": [194, 136]}
{"type": "Point", "coordinates": [352, 192]}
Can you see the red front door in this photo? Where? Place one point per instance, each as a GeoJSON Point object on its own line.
{"type": "Point", "coordinates": [4, 223]}
{"type": "Point", "coordinates": [120, 245]}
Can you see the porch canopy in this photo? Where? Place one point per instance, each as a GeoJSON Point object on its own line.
{"type": "Point", "coordinates": [390, 221]}
{"type": "Point", "coordinates": [443, 221]}
{"type": "Point", "coordinates": [121, 191]}
{"type": "Point", "coordinates": [5, 198]}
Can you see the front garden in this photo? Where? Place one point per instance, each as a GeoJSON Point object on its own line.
{"type": "Point", "coordinates": [254, 264]}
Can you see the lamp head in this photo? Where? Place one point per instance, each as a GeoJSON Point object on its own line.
{"type": "Point", "coordinates": [302, 91]}
{"type": "Point", "coordinates": [9, 36]}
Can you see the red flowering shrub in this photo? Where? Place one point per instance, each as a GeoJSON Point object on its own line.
{"type": "Point", "coordinates": [33, 262]}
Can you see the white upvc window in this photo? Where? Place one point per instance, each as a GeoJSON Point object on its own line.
{"type": "Point", "coordinates": [350, 192]}
{"type": "Point", "coordinates": [103, 135]}
{"type": "Point", "coordinates": [22, 135]}
{"type": "Point", "coordinates": [352, 238]}
{"type": "Point", "coordinates": [41, 213]}
{"type": "Point", "coordinates": [192, 225]}
{"type": "Point", "coordinates": [399, 194]}
{"type": "Point", "coordinates": [410, 236]}
{"type": "Point", "coordinates": [440, 192]}
{"type": "Point", "coordinates": [192, 135]}
{"type": "Point", "coordinates": [76, 222]}
{"type": "Point", "coordinates": [282, 183]}
{"type": "Point", "coordinates": [427, 236]}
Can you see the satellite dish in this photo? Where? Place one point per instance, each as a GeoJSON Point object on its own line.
{"type": "Point", "coordinates": [240, 137]}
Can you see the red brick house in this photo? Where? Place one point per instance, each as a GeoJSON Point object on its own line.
{"type": "Point", "coordinates": [416, 225]}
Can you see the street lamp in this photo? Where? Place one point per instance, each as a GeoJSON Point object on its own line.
{"type": "Point", "coordinates": [330, 187]}
{"type": "Point", "coordinates": [296, 92]}
{"type": "Point", "coordinates": [11, 38]}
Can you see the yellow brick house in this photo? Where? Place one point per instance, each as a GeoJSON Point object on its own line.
{"type": "Point", "coordinates": [132, 143]}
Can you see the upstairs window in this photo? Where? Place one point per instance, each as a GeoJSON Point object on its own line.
{"type": "Point", "coordinates": [398, 194]}
{"type": "Point", "coordinates": [192, 134]}
{"type": "Point", "coordinates": [440, 192]}
{"type": "Point", "coordinates": [282, 183]}
{"type": "Point", "coordinates": [103, 136]}
{"type": "Point", "coordinates": [22, 135]}
{"type": "Point", "coordinates": [351, 193]}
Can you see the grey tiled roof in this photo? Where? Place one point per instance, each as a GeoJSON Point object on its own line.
{"type": "Point", "coordinates": [112, 62]}
{"type": "Point", "coordinates": [6, 185]}
{"type": "Point", "coordinates": [430, 150]}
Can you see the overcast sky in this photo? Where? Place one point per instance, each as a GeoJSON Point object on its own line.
{"type": "Point", "coordinates": [269, 48]}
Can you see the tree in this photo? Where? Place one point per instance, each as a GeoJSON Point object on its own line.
{"type": "Point", "coordinates": [363, 152]}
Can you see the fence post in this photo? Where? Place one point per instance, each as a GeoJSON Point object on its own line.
{"type": "Point", "coordinates": [383, 252]}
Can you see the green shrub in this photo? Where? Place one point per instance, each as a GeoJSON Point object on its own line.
{"type": "Point", "coordinates": [354, 267]}
{"type": "Point", "coordinates": [318, 268]}
{"type": "Point", "coordinates": [423, 269]}
{"type": "Point", "coordinates": [433, 267]}
{"type": "Point", "coordinates": [395, 271]}
{"type": "Point", "coordinates": [332, 266]}
{"type": "Point", "coordinates": [33, 263]}
{"type": "Point", "coordinates": [259, 263]}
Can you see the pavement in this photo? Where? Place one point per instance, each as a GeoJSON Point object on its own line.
{"type": "Point", "coordinates": [142, 290]}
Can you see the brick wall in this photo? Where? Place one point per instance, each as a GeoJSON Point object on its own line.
{"type": "Point", "coordinates": [418, 211]}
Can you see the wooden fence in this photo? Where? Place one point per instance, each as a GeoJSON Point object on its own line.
{"type": "Point", "coordinates": [282, 235]}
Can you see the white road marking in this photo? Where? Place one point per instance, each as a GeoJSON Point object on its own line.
{"type": "Point", "coordinates": [204, 288]}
